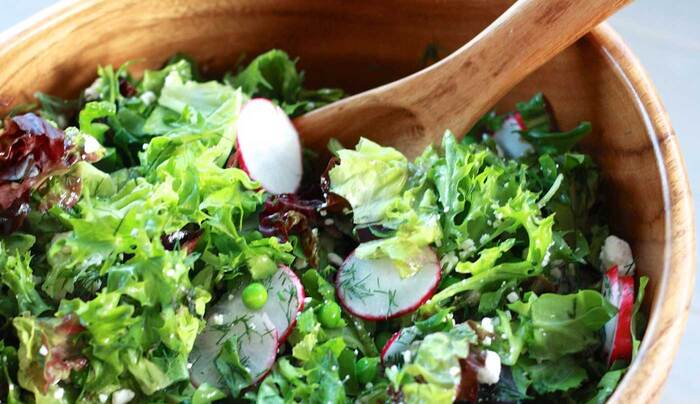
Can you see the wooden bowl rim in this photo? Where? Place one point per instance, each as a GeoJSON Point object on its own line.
{"type": "Point", "coordinates": [646, 376]}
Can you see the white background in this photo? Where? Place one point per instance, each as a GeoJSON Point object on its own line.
{"type": "Point", "coordinates": [665, 35]}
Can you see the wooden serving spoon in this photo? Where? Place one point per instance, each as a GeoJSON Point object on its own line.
{"type": "Point", "coordinates": [454, 93]}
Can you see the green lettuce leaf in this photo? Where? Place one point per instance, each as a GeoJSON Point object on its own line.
{"type": "Point", "coordinates": [274, 75]}
{"type": "Point", "coordinates": [17, 275]}
{"type": "Point", "coordinates": [563, 324]}
{"type": "Point", "coordinates": [370, 178]}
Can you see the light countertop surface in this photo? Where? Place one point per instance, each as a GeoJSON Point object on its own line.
{"type": "Point", "coordinates": [665, 35]}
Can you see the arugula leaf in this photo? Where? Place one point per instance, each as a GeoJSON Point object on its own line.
{"type": "Point", "coordinates": [550, 376]}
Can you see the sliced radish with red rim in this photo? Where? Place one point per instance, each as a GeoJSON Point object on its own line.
{"type": "Point", "coordinates": [397, 344]}
{"type": "Point", "coordinates": [268, 146]}
{"type": "Point", "coordinates": [619, 290]}
{"type": "Point", "coordinates": [276, 318]}
{"type": "Point", "coordinates": [373, 289]}
{"type": "Point", "coordinates": [257, 345]}
{"type": "Point", "coordinates": [509, 139]}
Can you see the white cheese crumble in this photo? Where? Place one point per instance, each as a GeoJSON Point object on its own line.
{"type": "Point", "coordinates": [491, 372]}
{"type": "Point", "coordinates": [487, 324]}
{"type": "Point", "coordinates": [91, 145]}
{"type": "Point", "coordinates": [448, 261]}
{"type": "Point", "coordinates": [487, 341]}
{"type": "Point", "coordinates": [148, 98]}
{"type": "Point", "coordinates": [58, 394]}
{"type": "Point", "coordinates": [406, 356]}
{"type": "Point", "coordinates": [43, 351]}
{"type": "Point", "coordinates": [335, 259]}
{"type": "Point", "coordinates": [616, 251]}
{"type": "Point", "coordinates": [93, 92]}
{"type": "Point", "coordinates": [512, 297]}
{"type": "Point", "coordinates": [122, 396]}
{"type": "Point", "coordinates": [217, 319]}
{"type": "Point", "coordinates": [328, 222]}
{"type": "Point", "coordinates": [103, 397]}
{"type": "Point", "coordinates": [468, 246]}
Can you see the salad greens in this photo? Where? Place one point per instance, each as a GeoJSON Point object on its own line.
{"type": "Point", "coordinates": [129, 225]}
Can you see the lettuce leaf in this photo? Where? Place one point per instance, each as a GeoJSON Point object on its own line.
{"type": "Point", "coordinates": [370, 178]}
{"type": "Point", "coordinates": [434, 366]}
{"type": "Point", "coordinates": [275, 76]}
{"type": "Point", "coordinates": [17, 275]}
{"type": "Point", "coordinates": [563, 324]}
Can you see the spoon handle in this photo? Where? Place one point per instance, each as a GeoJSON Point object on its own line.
{"type": "Point", "coordinates": [476, 76]}
{"type": "Point", "coordinates": [454, 93]}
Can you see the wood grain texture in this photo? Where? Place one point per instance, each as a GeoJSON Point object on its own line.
{"type": "Point", "coordinates": [454, 93]}
{"type": "Point", "coordinates": [358, 45]}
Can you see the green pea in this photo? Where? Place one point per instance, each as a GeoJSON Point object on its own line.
{"type": "Point", "coordinates": [330, 315]}
{"type": "Point", "coordinates": [261, 266]}
{"type": "Point", "coordinates": [366, 369]}
{"type": "Point", "coordinates": [254, 296]}
{"type": "Point", "coordinates": [382, 338]}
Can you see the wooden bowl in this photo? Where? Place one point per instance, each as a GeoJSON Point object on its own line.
{"type": "Point", "coordinates": [357, 45]}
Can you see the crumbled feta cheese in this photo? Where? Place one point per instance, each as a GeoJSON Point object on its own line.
{"type": "Point", "coordinates": [189, 365]}
{"type": "Point", "coordinates": [300, 263]}
{"type": "Point", "coordinates": [328, 222]}
{"type": "Point", "coordinates": [484, 238]}
{"type": "Point", "coordinates": [513, 297]}
{"type": "Point", "coordinates": [487, 324]}
{"type": "Point", "coordinates": [103, 397]}
{"type": "Point", "coordinates": [545, 260]}
{"type": "Point", "coordinates": [406, 356]}
{"type": "Point", "coordinates": [335, 259]}
{"type": "Point", "coordinates": [448, 261]}
{"type": "Point", "coordinates": [217, 319]}
{"type": "Point", "coordinates": [43, 351]}
{"type": "Point", "coordinates": [307, 300]}
{"type": "Point", "coordinates": [58, 394]}
{"type": "Point", "coordinates": [170, 272]}
{"type": "Point", "coordinates": [555, 272]}
{"type": "Point", "coordinates": [91, 145]}
{"type": "Point", "coordinates": [616, 251]}
{"type": "Point", "coordinates": [122, 396]}
{"type": "Point", "coordinates": [148, 98]}
{"type": "Point", "coordinates": [322, 212]}
{"type": "Point", "coordinates": [93, 92]}
{"type": "Point", "coordinates": [491, 372]}
{"type": "Point", "coordinates": [487, 341]}
{"type": "Point", "coordinates": [468, 246]}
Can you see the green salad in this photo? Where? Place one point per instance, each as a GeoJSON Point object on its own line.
{"type": "Point", "coordinates": [166, 238]}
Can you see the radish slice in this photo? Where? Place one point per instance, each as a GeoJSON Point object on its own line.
{"type": "Point", "coordinates": [257, 345]}
{"type": "Point", "coordinates": [372, 289]}
{"type": "Point", "coordinates": [508, 137]}
{"type": "Point", "coordinates": [397, 344]}
{"type": "Point", "coordinates": [269, 147]}
{"type": "Point", "coordinates": [619, 290]}
{"type": "Point", "coordinates": [285, 300]}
